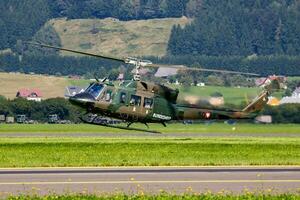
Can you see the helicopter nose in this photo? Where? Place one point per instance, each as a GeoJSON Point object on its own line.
{"type": "Point", "coordinates": [82, 99]}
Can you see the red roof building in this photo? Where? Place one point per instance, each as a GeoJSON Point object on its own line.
{"type": "Point", "coordinates": [30, 94]}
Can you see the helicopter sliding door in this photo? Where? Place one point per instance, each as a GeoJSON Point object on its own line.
{"type": "Point", "coordinates": [134, 106]}
{"type": "Point", "coordinates": [129, 105]}
{"type": "Point", "coordinates": [123, 105]}
{"type": "Point", "coordinates": [162, 110]}
{"type": "Point", "coordinates": [141, 107]}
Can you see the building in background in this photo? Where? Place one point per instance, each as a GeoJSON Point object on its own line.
{"type": "Point", "coordinates": [294, 99]}
{"type": "Point", "coordinates": [30, 94]}
{"type": "Point", "coordinates": [165, 72]}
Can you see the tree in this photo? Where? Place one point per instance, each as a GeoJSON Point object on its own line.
{"type": "Point", "coordinates": [4, 106]}
{"type": "Point", "coordinates": [227, 28]}
{"type": "Point", "coordinates": [214, 80]}
{"type": "Point", "coordinates": [46, 35]}
{"type": "Point", "coordinates": [3, 35]}
{"type": "Point", "coordinates": [176, 8]}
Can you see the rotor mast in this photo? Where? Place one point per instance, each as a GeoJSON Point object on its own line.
{"type": "Point", "coordinates": [138, 64]}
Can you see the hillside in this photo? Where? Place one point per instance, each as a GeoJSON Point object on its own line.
{"type": "Point", "coordinates": [119, 38]}
{"type": "Point", "coordinates": [20, 20]}
{"type": "Point", "coordinates": [231, 28]}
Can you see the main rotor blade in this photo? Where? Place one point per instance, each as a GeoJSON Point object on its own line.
{"type": "Point", "coordinates": [185, 68]}
{"type": "Point", "coordinates": [75, 51]}
{"type": "Point", "coordinates": [135, 61]}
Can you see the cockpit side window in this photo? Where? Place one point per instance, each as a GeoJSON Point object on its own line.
{"type": "Point", "coordinates": [107, 95]}
{"type": "Point", "coordinates": [148, 103]}
{"type": "Point", "coordinates": [123, 97]}
{"type": "Point", "coordinates": [135, 100]}
{"type": "Point", "coordinates": [95, 90]}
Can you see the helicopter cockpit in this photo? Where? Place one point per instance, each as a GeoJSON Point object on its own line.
{"type": "Point", "coordinates": [90, 95]}
{"type": "Point", "coordinates": [95, 89]}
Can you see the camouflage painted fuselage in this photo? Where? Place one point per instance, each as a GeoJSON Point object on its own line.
{"type": "Point", "coordinates": [138, 101]}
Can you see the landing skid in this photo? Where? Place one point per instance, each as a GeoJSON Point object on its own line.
{"type": "Point", "coordinates": [116, 126]}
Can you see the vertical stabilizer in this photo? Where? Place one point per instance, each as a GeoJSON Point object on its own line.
{"type": "Point", "coordinates": [270, 85]}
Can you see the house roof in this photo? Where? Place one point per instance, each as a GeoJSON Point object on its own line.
{"type": "Point", "coordinates": [260, 81]}
{"type": "Point", "coordinates": [29, 93]}
{"type": "Point", "coordinates": [165, 72]}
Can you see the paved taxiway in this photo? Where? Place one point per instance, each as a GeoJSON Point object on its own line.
{"type": "Point", "coordinates": [149, 180]}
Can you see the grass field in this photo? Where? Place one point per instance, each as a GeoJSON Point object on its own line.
{"type": "Point", "coordinates": [118, 38]}
{"type": "Point", "coordinates": [165, 196]}
{"type": "Point", "coordinates": [171, 128]}
{"type": "Point", "coordinates": [294, 78]}
{"type": "Point", "coordinates": [52, 87]}
{"type": "Point", "coordinates": [154, 151]}
{"type": "Point", "coordinates": [63, 152]}
{"type": "Point", "coordinates": [232, 95]}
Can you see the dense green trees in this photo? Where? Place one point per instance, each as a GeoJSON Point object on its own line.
{"type": "Point", "coordinates": [20, 20]}
{"type": "Point", "coordinates": [264, 65]}
{"type": "Point", "coordinates": [231, 27]}
{"type": "Point", "coordinates": [223, 35]}
{"type": "Point", "coordinates": [286, 113]}
{"type": "Point", "coordinates": [235, 27]}
{"type": "Point", "coordinates": [53, 64]}
{"type": "Point", "coordinates": [39, 110]}
{"type": "Point", "coordinates": [121, 9]}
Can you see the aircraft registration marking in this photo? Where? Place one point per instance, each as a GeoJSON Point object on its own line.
{"type": "Point", "coordinates": [163, 117]}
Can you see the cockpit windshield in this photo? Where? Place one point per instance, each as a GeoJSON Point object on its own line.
{"type": "Point", "coordinates": [94, 89]}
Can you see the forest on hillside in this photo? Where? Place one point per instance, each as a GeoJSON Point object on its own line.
{"type": "Point", "coordinates": [20, 20]}
{"type": "Point", "coordinates": [261, 36]}
{"type": "Point", "coordinates": [240, 27]}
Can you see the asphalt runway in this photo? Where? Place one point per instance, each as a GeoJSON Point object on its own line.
{"type": "Point", "coordinates": [129, 180]}
{"type": "Point", "coordinates": [145, 135]}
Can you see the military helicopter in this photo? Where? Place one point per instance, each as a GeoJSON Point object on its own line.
{"type": "Point", "coordinates": [137, 101]}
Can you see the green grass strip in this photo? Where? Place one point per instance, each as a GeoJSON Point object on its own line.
{"type": "Point", "coordinates": [172, 128]}
{"type": "Point", "coordinates": [162, 197]}
{"type": "Point", "coordinates": [77, 152]}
